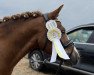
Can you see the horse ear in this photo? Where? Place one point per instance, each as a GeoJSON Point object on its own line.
{"type": "Point", "coordinates": [54, 14]}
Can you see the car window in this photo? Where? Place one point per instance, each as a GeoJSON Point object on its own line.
{"type": "Point", "coordinates": [80, 35]}
{"type": "Point", "coordinates": [91, 39]}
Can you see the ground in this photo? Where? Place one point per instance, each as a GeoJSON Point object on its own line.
{"type": "Point", "coordinates": [22, 68]}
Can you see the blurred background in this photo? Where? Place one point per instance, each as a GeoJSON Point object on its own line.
{"type": "Point", "coordinates": [74, 12]}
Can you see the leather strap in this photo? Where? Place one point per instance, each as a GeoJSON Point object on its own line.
{"type": "Point", "coordinates": [46, 17]}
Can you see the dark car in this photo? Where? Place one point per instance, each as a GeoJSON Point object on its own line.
{"type": "Point", "coordinates": [83, 38]}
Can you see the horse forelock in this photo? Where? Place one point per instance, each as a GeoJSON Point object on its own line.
{"type": "Point", "coordinates": [25, 15]}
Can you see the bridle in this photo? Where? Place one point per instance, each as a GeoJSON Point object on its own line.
{"type": "Point", "coordinates": [69, 42]}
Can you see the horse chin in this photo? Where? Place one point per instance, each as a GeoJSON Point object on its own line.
{"type": "Point", "coordinates": [75, 57]}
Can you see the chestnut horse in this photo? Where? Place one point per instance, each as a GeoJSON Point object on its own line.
{"type": "Point", "coordinates": [22, 32]}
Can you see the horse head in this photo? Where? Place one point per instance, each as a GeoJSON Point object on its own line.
{"type": "Point", "coordinates": [67, 44]}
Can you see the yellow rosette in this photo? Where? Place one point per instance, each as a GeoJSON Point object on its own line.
{"type": "Point", "coordinates": [54, 35]}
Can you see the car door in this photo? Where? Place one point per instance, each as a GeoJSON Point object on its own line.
{"type": "Point", "coordinates": [83, 39]}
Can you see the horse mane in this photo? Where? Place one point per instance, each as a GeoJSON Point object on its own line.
{"type": "Point", "coordinates": [25, 15]}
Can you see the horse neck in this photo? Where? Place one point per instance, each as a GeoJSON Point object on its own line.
{"type": "Point", "coordinates": [18, 42]}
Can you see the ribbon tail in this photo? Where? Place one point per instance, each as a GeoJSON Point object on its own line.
{"type": "Point", "coordinates": [59, 49]}
{"type": "Point", "coordinates": [54, 54]}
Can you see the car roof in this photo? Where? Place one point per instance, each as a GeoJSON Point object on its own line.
{"type": "Point", "coordinates": [81, 26]}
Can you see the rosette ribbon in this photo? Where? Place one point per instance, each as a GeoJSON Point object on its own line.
{"type": "Point", "coordinates": [54, 35]}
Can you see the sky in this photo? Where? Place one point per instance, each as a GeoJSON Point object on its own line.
{"type": "Point", "coordinates": [74, 12]}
